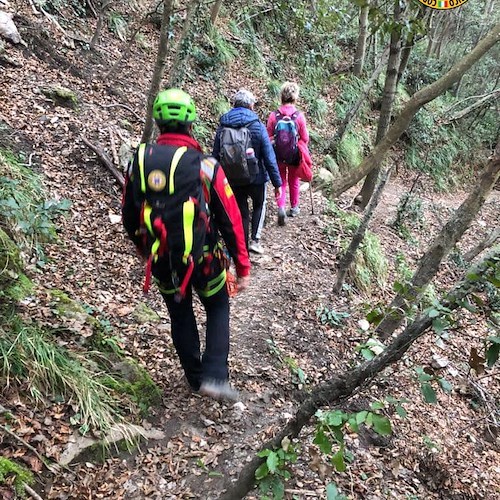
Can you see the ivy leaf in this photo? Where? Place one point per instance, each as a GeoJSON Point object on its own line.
{"type": "Point", "coordinates": [381, 425]}
{"type": "Point", "coordinates": [261, 472]}
{"type": "Point", "coordinates": [272, 462]}
{"type": "Point", "coordinates": [361, 417]}
{"type": "Point", "coordinates": [440, 325]}
{"type": "Point", "coordinates": [434, 313]}
{"type": "Point", "coordinates": [429, 393]}
{"type": "Point", "coordinates": [367, 354]}
{"type": "Point", "coordinates": [278, 489]}
{"type": "Point", "coordinates": [332, 493]}
{"type": "Point", "coordinates": [335, 418]}
{"type": "Point", "coordinates": [401, 411]}
{"type": "Point", "coordinates": [338, 461]}
{"type": "Point", "coordinates": [492, 354]}
{"type": "Point", "coordinates": [377, 405]}
{"type": "Point", "coordinates": [321, 439]}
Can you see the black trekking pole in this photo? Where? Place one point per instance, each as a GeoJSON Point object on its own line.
{"type": "Point", "coordinates": [311, 196]}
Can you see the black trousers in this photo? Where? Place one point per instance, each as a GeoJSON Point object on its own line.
{"type": "Point", "coordinates": [213, 363]}
{"type": "Point", "coordinates": [257, 193]}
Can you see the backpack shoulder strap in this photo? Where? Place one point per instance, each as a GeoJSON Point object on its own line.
{"type": "Point", "coordinates": [141, 153]}
{"type": "Point", "coordinates": [278, 115]}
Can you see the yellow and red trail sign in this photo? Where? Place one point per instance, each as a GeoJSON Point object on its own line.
{"type": "Point", "coordinates": [442, 4]}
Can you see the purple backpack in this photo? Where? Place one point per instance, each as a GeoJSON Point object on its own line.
{"type": "Point", "coordinates": [286, 137]}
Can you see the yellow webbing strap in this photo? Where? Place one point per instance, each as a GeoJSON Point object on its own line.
{"type": "Point", "coordinates": [147, 218]}
{"type": "Point", "coordinates": [217, 283]}
{"type": "Point", "coordinates": [140, 157]}
{"type": "Point", "coordinates": [167, 291]}
{"type": "Point", "coordinates": [188, 220]}
{"type": "Point", "coordinates": [175, 161]}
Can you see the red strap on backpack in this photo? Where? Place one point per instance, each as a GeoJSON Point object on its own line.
{"type": "Point", "coordinates": [185, 282]}
{"type": "Point", "coordinates": [147, 277]}
{"type": "Point", "coordinates": [161, 230]}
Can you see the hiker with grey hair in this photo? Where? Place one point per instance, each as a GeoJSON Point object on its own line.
{"type": "Point", "coordinates": [287, 129]}
{"type": "Point", "coordinates": [246, 154]}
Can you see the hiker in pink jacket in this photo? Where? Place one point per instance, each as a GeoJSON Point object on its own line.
{"type": "Point", "coordinates": [286, 127]}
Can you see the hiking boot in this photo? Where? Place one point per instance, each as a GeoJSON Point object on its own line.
{"type": "Point", "coordinates": [281, 217]}
{"type": "Point", "coordinates": [293, 212]}
{"type": "Point", "coordinates": [219, 389]}
{"type": "Point", "coordinates": [256, 247]}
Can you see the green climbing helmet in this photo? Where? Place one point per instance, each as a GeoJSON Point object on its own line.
{"type": "Point", "coordinates": [173, 105]}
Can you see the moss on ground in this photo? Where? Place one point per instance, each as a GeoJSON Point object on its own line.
{"type": "Point", "coordinates": [133, 380]}
{"type": "Point", "coordinates": [21, 475]}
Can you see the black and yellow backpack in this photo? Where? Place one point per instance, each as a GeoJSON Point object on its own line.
{"type": "Point", "coordinates": [174, 216]}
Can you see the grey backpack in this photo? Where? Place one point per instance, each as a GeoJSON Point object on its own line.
{"type": "Point", "coordinates": [236, 155]}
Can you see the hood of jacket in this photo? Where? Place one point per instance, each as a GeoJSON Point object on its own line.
{"type": "Point", "coordinates": [238, 117]}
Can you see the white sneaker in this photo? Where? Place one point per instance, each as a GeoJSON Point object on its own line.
{"type": "Point", "coordinates": [256, 247]}
{"type": "Point", "coordinates": [293, 212]}
{"type": "Point", "coordinates": [219, 389]}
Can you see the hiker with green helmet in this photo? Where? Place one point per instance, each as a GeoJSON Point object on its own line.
{"type": "Point", "coordinates": [176, 204]}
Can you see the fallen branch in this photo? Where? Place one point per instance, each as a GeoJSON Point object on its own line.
{"type": "Point", "coordinates": [45, 461]}
{"type": "Point", "coordinates": [343, 385]}
{"type": "Point", "coordinates": [124, 106]}
{"type": "Point", "coordinates": [31, 492]}
{"type": "Point", "coordinates": [479, 103]}
{"type": "Point", "coordinates": [312, 252]}
{"type": "Point", "coordinates": [104, 159]}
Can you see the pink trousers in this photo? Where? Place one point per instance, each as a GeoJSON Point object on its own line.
{"type": "Point", "coordinates": [293, 185]}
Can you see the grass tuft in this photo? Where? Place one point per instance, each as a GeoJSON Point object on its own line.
{"type": "Point", "coordinates": [28, 357]}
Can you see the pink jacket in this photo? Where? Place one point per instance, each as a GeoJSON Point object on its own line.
{"type": "Point", "coordinates": [288, 109]}
{"type": "Point", "coordinates": [304, 170]}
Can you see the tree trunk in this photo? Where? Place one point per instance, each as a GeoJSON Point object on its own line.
{"type": "Point", "coordinates": [405, 55]}
{"type": "Point", "coordinates": [159, 69]}
{"type": "Point", "coordinates": [430, 34]}
{"type": "Point", "coordinates": [351, 114]}
{"type": "Point", "coordinates": [359, 58]}
{"type": "Point", "coordinates": [126, 50]}
{"type": "Point", "coordinates": [100, 22]}
{"type": "Point", "coordinates": [409, 110]}
{"type": "Point", "coordinates": [344, 384]}
{"type": "Point", "coordinates": [440, 247]}
{"type": "Point", "coordinates": [359, 235]}
{"type": "Point", "coordinates": [390, 87]}
{"type": "Point", "coordinates": [179, 66]}
{"type": "Point", "coordinates": [214, 14]}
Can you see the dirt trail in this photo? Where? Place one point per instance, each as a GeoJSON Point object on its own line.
{"type": "Point", "coordinates": [95, 264]}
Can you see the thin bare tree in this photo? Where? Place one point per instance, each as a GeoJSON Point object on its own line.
{"type": "Point", "coordinates": [359, 57]}
{"type": "Point", "coordinates": [446, 239]}
{"type": "Point", "coordinates": [419, 99]}
{"type": "Point", "coordinates": [348, 257]}
{"type": "Point", "coordinates": [214, 13]}
{"type": "Point", "coordinates": [159, 68]}
{"type": "Point", "coordinates": [390, 85]}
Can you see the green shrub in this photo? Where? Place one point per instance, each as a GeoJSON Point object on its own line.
{"type": "Point", "coordinates": [24, 214]}
{"type": "Point", "coordinates": [350, 150]}
{"type": "Point", "coordinates": [370, 267]}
